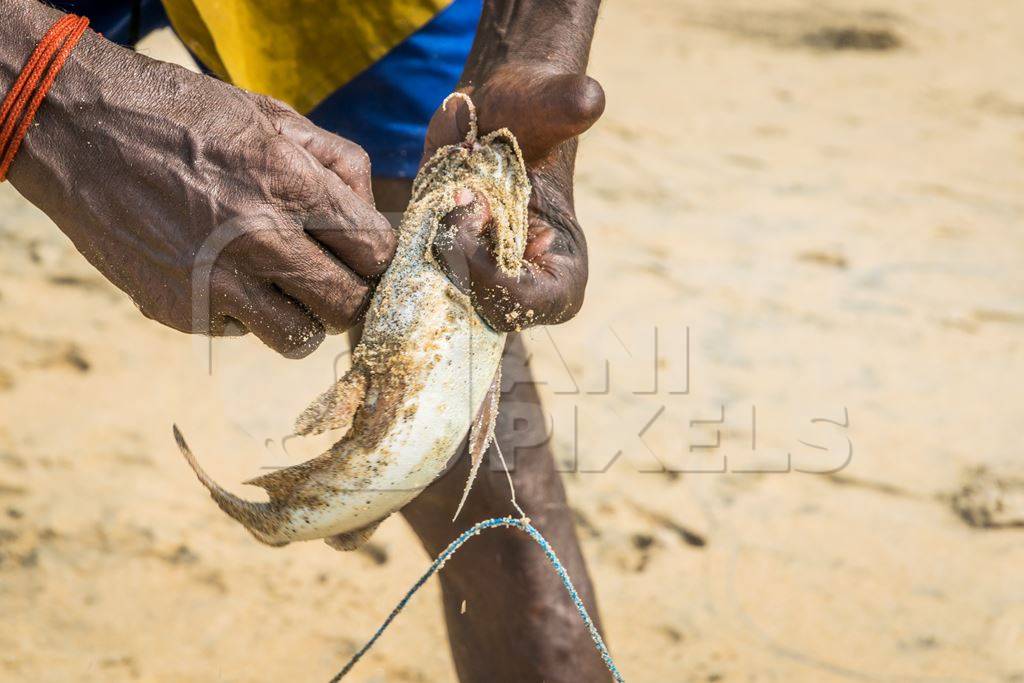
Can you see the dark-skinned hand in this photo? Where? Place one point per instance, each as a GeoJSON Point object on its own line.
{"type": "Point", "coordinates": [218, 211]}
{"type": "Point", "coordinates": [545, 109]}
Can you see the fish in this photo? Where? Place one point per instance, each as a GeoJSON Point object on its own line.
{"type": "Point", "coordinates": [425, 373]}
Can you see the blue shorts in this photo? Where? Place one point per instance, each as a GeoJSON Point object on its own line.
{"type": "Point", "coordinates": [385, 109]}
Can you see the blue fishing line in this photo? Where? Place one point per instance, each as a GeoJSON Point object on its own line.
{"type": "Point", "coordinates": [450, 550]}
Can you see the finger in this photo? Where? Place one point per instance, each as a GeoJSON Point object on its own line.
{"type": "Point", "coordinates": [343, 222]}
{"type": "Point", "coordinates": [332, 292]}
{"type": "Point", "coordinates": [448, 126]}
{"type": "Point", "coordinates": [347, 160]}
{"type": "Point", "coordinates": [353, 230]}
{"type": "Point", "coordinates": [277, 321]}
{"type": "Point", "coordinates": [542, 110]}
{"type": "Point", "coordinates": [460, 231]}
{"type": "Point", "coordinates": [349, 227]}
{"type": "Point", "coordinates": [547, 290]}
{"type": "Point", "coordinates": [304, 271]}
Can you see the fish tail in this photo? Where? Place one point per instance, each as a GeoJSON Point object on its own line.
{"type": "Point", "coordinates": [258, 518]}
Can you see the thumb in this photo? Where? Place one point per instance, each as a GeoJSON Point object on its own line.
{"type": "Point", "coordinates": [544, 110]}
{"type": "Point", "coordinates": [458, 246]}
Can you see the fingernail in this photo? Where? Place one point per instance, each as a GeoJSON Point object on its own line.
{"type": "Point", "coordinates": [464, 196]}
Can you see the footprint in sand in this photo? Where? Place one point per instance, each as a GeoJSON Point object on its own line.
{"type": "Point", "coordinates": [991, 501]}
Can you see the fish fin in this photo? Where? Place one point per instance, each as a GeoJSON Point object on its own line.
{"type": "Point", "coordinates": [280, 484]}
{"type": "Point", "coordinates": [336, 407]}
{"type": "Point", "coordinates": [351, 540]}
{"type": "Point", "coordinates": [481, 433]}
{"type": "Point", "coordinates": [272, 482]}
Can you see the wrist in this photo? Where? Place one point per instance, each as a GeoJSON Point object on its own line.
{"type": "Point", "coordinates": [535, 32]}
{"type": "Point", "coordinates": [23, 24]}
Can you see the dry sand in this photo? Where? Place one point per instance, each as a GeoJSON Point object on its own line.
{"type": "Point", "coordinates": [836, 216]}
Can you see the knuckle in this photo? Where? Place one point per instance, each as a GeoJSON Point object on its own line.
{"type": "Point", "coordinates": [271, 107]}
{"type": "Point", "coordinates": [298, 191]}
{"type": "Point", "coordinates": [276, 148]}
{"type": "Point", "coordinates": [359, 160]}
{"type": "Point", "coordinates": [285, 184]}
{"type": "Point", "coordinates": [220, 288]}
{"type": "Point", "coordinates": [256, 241]}
{"type": "Point", "coordinates": [564, 306]}
{"type": "Point", "coordinates": [568, 290]}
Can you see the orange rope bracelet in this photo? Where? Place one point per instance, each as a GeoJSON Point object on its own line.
{"type": "Point", "coordinates": [21, 104]}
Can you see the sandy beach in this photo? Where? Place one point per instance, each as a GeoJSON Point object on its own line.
{"type": "Point", "coordinates": [803, 336]}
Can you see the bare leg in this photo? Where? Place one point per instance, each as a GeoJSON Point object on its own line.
{"type": "Point", "coordinates": [519, 625]}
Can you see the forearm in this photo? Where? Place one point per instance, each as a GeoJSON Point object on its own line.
{"type": "Point", "coordinates": [95, 72]}
{"type": "Point", "coordinates": [558, 32]}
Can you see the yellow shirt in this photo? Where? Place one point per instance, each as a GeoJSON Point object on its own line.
{"type": "Point", "coordinates": [299, 51]}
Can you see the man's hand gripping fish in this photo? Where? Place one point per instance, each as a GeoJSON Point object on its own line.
{"type": "Point", "coordinates": [425, 373]}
